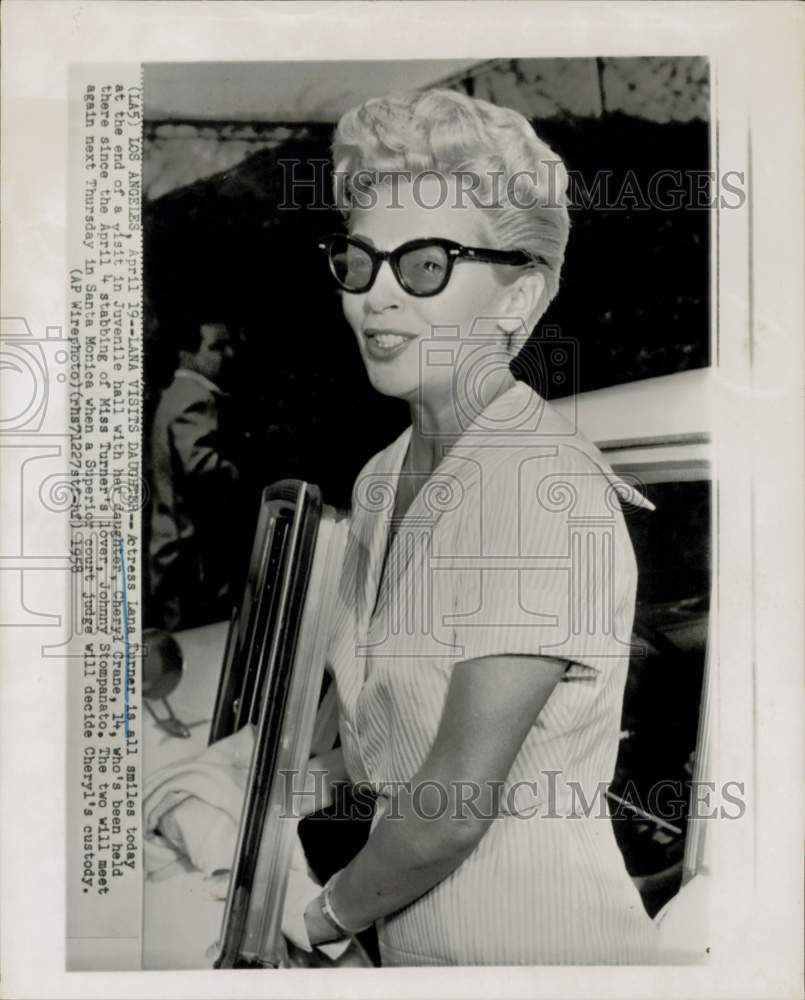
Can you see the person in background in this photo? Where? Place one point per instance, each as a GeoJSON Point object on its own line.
{"type": "Point", "coordinates": [196, 482]}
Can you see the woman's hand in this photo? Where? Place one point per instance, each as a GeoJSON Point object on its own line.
{"type": "Point", "coordinates": [319, 929]}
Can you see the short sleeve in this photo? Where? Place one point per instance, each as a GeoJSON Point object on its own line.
{"type": "Point", "coordinates": [545, 566]}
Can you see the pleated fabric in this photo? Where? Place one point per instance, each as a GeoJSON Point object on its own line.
{"type": "Point", "coordinates": [517, 544]}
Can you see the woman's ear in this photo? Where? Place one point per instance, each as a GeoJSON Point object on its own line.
{"type": "Point", "coordinates": [521, 308]}
{"type": "Point", "coordinates": [529, 289]}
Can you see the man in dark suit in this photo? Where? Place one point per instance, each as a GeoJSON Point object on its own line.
{"type": "Point", "coordinates": [195, 445]}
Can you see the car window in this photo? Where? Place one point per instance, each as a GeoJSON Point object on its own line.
{"type": "Point", "coordinates": [664, 685]}
{"type": "Point", "coordinates": [672, 543]}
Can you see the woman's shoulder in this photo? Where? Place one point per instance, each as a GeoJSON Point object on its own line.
{"type": "Point", "coordinates": [534, 448]}
{"type": "Point", "coordinates": [522, 426]}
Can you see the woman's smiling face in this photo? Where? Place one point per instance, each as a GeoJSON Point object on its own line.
{"type": "Point", "coordinates": [393, 327]}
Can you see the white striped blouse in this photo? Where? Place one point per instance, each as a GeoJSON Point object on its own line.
{"type": "Point", "coordinates": [516, 544]}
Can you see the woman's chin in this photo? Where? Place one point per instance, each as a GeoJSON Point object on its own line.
{"type": "Point", "coordinates": [387, 384]}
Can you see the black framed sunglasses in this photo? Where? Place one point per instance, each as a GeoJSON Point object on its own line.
{"type": "Point", "coordinates": [422, 267]}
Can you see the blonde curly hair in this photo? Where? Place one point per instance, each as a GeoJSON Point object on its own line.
{"type": "Point", "coordinates": [515, 177]}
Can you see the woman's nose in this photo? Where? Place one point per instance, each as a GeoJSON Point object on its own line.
{"type": "Point", "coordinates": [386, 291]}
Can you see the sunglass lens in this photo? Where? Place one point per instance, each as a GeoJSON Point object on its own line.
{"type": "Point", "coordinates": [352, 266]}
{"type": "Point", "coordinates": [425, 269]}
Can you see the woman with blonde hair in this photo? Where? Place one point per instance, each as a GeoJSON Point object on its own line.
{"type": "Point", "coordinates": [482, 638]}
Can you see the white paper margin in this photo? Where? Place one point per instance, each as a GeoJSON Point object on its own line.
{"type": "Point", "coordinates": [756, 53]}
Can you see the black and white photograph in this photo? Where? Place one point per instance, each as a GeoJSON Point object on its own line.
{"type": "Point", "coordinates": [461, 312]}
{"type": "Point", "coordinates": [401, 430]}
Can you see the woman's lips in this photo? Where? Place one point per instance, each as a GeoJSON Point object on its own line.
{"type": "Point", "coordinates": [383, 345]}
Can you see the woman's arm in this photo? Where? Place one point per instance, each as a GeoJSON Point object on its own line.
{"type": "Point", "coordinates": [491, 704]}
